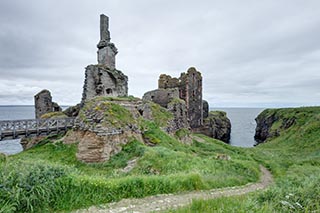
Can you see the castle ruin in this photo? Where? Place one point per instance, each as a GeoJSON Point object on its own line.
{"type": "Point", "coordinates": [188, 88]}
{"type": "Point", "coordinates": [43, 104]}
{"type": "Point", "coordinates": [103, 79]}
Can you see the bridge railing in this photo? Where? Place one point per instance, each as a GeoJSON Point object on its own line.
{"type": "Point", "coordinates": [25, 128]}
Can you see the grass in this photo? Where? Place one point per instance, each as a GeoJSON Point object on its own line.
{"type": "Point", "coordinates": [49, 178]}
{"type": "Point", "coordinates": [294, 159]}
{"type": "Point", "coordinates": [54, 115]}
{"type": "Point", "coordinates": [168, 167]}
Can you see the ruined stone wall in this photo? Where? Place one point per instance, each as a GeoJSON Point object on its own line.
{"type": "Point", "coordinates": [166, 81]}
{"type": "Point", "coordinates": [43, 104]}
{"type": "Point", "coordinates": [101, 81]}
{"type": "Point", "coordinates": [161, 96]}
{"type": "Point", "coordinates": [191, 92]}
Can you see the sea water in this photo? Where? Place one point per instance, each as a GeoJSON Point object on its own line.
{"type": "Point", "coordinates": [243, 125]}
{"type": "Point", "coordinates": [242, 122]}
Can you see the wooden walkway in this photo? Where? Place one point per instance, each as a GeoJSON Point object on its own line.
{"type": "Point", "coordinates": [13, 129]}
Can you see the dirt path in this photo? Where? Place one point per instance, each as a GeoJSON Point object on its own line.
{"type": "Point", "coordinates": [169, 201]}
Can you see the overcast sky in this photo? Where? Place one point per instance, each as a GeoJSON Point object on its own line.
{"type": "Point", "coordinates": [250, 53]}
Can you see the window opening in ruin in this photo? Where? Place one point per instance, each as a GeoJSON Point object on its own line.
{"type": "Point", "coordinates": [109, 91]}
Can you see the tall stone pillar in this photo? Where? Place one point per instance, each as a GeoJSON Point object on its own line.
{"type": "Point", "coordinates": [107, 51]}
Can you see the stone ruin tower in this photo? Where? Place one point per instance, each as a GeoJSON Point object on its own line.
{"type": "Point", "coordinates": [190, 91]}
{"type": "Point", "coordinates": [43, 104]}
{"type": "Point", "coordinates": [187, 88]}
{"type": "Point", "coordinates": [104, 79]}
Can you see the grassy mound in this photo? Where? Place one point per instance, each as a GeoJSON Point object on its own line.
{"type": "Point", "coordinates": [49, 178]}
{"type": "Point", "coordinates": [294, 159]}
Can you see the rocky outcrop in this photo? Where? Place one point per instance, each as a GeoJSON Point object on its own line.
{"type": "Point", "coordinates": [72, 111]}
{"type": "Point", "coordinates": [43, 104]}
{"type": "Point", "coordinates": [102, 128]}
{"type": "Point", "coordinates": [205, 106]}
{"type": "Point", "coordinates": [270, 123]}
{"type": "Point", "coordinates": [216, 125]}
{"type": "Point", "coordinates": [104, 125]}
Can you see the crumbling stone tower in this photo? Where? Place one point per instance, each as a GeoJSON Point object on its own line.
{"type": "Point", "coordinates": [188, 88]}
{"type": "Point", "coordinates": [43, 104]}
{"type": "Point", "coordinates": [190, 91]}
{"type": "Point", "coordinates": [107, 51]}
{"type": "Point", "coordinates": [104, 79]}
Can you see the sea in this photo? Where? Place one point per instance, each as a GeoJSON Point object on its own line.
{"type": "Point", "coordinates": [242, 125]}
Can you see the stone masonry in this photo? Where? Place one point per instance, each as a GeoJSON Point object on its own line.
{"type": "Point", "coordinates": [191, 93]}
{"type": "Point", "coordinates": [107, 51]}
{"type": "Point", "coordinates": [189, 87]}
{"type": "Point", "coordinates": [104, 79]}
{"type": "Point", "coordinates": [44, 104]}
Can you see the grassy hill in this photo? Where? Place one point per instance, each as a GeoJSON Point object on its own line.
{"type": "Point", "coordinates": [48, 177]}
{"type": "Point", "coordinates": [294, 159]}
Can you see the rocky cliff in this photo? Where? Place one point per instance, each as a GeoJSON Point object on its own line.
{"type": "Point", "coordinates": [216, 125]}
{"type": "Point", "coordinates": [105, 124]}
{"type": "Point", "coordinates": [271, 122]}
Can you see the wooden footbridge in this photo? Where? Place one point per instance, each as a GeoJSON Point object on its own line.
{"type": "Point", "coordinates": [13, 129]}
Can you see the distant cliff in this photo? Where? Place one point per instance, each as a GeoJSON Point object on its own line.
{"type": "Point", "coordinates": [271, 122]}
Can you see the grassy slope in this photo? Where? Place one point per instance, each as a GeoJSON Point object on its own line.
{"type": "Point", "coordinates": [294, 159]}
{"type": "Point", "coordinates": [49, 177]}
{"type": "Point", "coordinates": [168, 167]}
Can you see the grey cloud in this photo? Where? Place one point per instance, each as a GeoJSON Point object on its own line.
{"type": "Point", "coordinates": [250, 53]}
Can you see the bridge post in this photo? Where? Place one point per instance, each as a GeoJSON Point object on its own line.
{"type": "Point", "coordinates": [37, 127]}
{"type": "Point", "coordinates": [47, 125]}
{"type": "Point", "coordinates": [0, 131]}
{"type": "Point", "coordinates": [26, 128]}
{"type": "Point", "coordinates": [14, 129]}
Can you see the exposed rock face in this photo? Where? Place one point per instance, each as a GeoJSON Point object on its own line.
{"type": "Point", "coordinates": [216, 125]}
{"type": "Point", "coordinates": [205, 106]}
{"type": "Point", "coordinates": [101, 81]}
{"type": "Point", "coordinates": [161, 96]}
{"type": "Point", "coordinates": [72, 111]}
{"type": "Point", "coordinates": [267, 127]}
{"type": "Point", "coordinates": [103, 126]}
{"type": "Point", "coordinates": [44, 104]}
